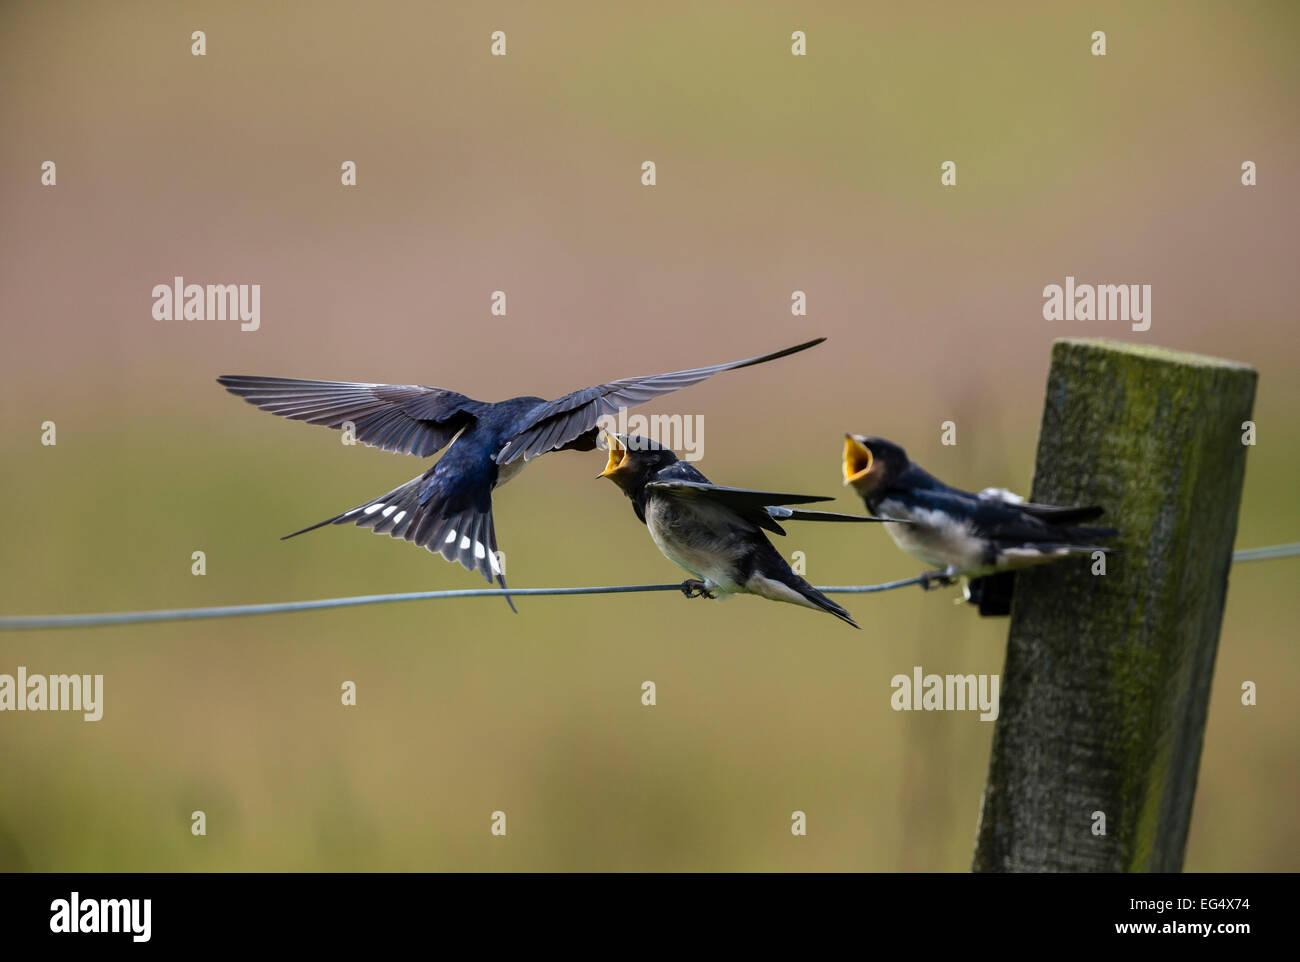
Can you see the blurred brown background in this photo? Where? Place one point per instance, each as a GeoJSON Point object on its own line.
{"type": "Point", "coordinates": [480, 173]}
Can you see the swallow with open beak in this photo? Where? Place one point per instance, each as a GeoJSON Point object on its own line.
{"type": "Point", "coordinates": [448, 508]}
{"type": "Point", "coordinates": [712, 532]}
{"type": "Point", "coordinates": [960, 532]}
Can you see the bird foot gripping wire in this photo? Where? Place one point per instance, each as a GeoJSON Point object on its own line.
{"type": "Point", "coordinates": [696, 589]}
{"type": "Point", "coordinates": [943, 578]}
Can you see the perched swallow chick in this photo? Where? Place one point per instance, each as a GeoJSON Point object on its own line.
{"type": "Point", "coordinates": [957, 531]}
{"type": "Point", "coordinates": [712, 532]}
{"type": "Point", "coordinates": [448, 508]}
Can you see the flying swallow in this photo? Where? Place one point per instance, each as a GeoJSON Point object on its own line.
{"type": "Point", "coordinates": [960, 532]}
{"type": "Point", "coordinates": [712, 532]}
{"type": "Point", "coordinates": [448, 508]}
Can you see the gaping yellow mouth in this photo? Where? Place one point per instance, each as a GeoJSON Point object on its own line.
{"type": "Point", "coordinates": [618, 458]}
{"type": "Point", "coordinates": [857, 459]}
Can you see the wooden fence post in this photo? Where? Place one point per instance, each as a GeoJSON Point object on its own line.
{"type": "Point", "coordinates": [1107, 677]}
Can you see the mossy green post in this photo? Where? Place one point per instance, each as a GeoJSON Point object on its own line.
{"type": "Point", "coordinates": [1107, 679]}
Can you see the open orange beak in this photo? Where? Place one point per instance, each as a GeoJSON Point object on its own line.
{"type": "Point", "coordinates": [618, 459]}
{"type": "Point", "coordinates": [857, 459]}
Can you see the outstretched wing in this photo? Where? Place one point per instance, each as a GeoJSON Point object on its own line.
{"type": "Point", "coordinates": [402, 418]}
{"type": "Point", "coordinates": [555, 423]}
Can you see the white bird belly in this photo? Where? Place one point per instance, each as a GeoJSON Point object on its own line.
{"type": "Point", "coordinates": [936, 538]}
{"type": "Point", "coordinates": [701, 542]}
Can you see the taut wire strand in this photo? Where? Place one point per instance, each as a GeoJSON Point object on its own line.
{"type": "Point", "coordinates": [233, 611]}
{"type": "Point", "coordinates": [98, 620]}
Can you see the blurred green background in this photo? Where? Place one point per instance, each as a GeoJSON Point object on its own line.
{"type": "Point", "coordinates": [477, 173]}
